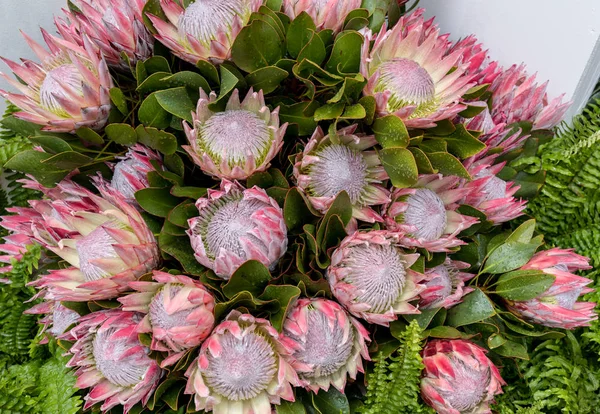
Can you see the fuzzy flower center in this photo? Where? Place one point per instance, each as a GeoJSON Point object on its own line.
{"type": "Point", "coordinates": [244, 369]}
{"type": "Point", "coordinates": [124, 171]}
{"type": "Point", "coordinates": [494, 188]}
{"type": "Point", "coordinates": [426, 211]}
{"type": "Point", "coordinates": [379, 274]}
{"type": "Point", "coordinates": [469, 385]}
{"type": "Point", "coordinates": [324, 347]}
{"type": "Point", "coordinates": [56, 84]}
{"type": "Point", "coordinates": [93, 248]}
{"type": "Point", "coordinates": [339, 168]}
{"type": "Point", "coordinates": [62, 318]}
{"type": "Point", "coordinates": [235, 136]}
{"type": "Point", "coordinates": [567, 299]}
{"type": "Point", "coordinates": [441, 279]}
{"type": "Point", "coordinates": [113, 363]}
{"type": "Point", "coordinates": [408, 82]}
{"type": "Point", "coordinates": [161, 317]}
{"type": "Point", "coordinates": [205, 19]}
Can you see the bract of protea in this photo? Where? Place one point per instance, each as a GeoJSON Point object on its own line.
{"type": "Point", "coordinates": [57, 319]}
{"type": "Point", "coordinates": [445, 285]}
{"type": "Point", "coordinates": [327, 14]}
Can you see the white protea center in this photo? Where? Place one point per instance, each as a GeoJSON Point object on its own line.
{"type": "Point", "coordinates": [97, 245]}
{"type": "Point", "coordinates": [235, 134]}
{"type": "Point", "coordinates": [62, 318]}
{"type": "Point", "coordinates": [244, 368]}
{"type": "Point", "coordinates": [443, 279]}
{"type": "Point", "coordinates": [470, 386]}
{"type": "Point", "coordinates": [426, 211]}
{"type": "Point", "coordinates": [339, 168]}
{"type": "Point", "coordinates": [121, 183]}
{"type": "Point", "coordinates": [379, 274]}
{"type": "Point", "coordinates": [204, 19]}
{"type": "Point", "coordinates": [56, 84]}
{"type": "Point", "coordinates": [160, 317]}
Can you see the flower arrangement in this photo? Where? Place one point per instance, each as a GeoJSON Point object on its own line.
{"type": "Point", "coordinates": [251, 206]}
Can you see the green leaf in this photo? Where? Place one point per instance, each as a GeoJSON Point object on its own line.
{"type": "Point", "coordinates": [266, 79]}
{"type": "Point", "coordinates": [156, 201]}
{"type": "Point", "coordinates": [295, 211]}
{"type": "Point", "coordinates": [123, 134]}
{"type": "Point", "coordinates": [424, 318]}
{"type": "Point", "coordinates": [356, 111]}
{"type": "Point", "coordinates": [390, 132]}
{"type": "Point", "coordinates": [447, 164]}
{"type": "Point", "coordinates": [153, 83]}
{"type": "Point", "coordinates": [208, 70]}
{"type": "Point", "coordinates": [368, 102]}
{"type": "Point", "coordinates": [161, 141]}
{"type": "Point", "coordinates": [89, 135]}
{"type": "Point", "coordinates": [152, 114]}
{"type": "Point", "coordinates": [512, 350]}
{"type": "Point", "coordinates": [314, 50]}
{"type": "Point", "coordinates": [51, 144]}
{"type": "Point", "coordinates": [444, 332]}
{"type": "Point", "coordinates": [177, 102]}
{"type": "Point", "coordinates": [509, 256]}
{"type": "Point", "coordinates": [228, 83]}
{"type": "Point", "coordinates": [346, 53]}
{"type": "Point", "coordinates": [462, 143]}
{"type": "Point", "coordinates": [189, 79]}
{"type": "Point", "coordinates": [522, 285]}
{"type": "Point", "coordinates": [423, 164]}
{"type": "Point", "coordinates": [400, 165]}
{"type": "Point", "coordinates": [299, 33]}
{"type": "Point", "coordinates": [258, 45]}
{"type": "Point", "coordinates": [190, 192]}
{"type": "Point", "coordinates": [69, 160]}
{"type": "Point", "coordinates": [523, 233]}
{"type": "Point", "coordinates": [156, 64]}
{"type": "Point", "coordinates": [252, 276]}
{"type": "Point", "coordinates": [118, 99]}
{"type": "Point", "coordinates": [285, 295]}
{"type": "Point", "coordinates": [330, 111]}
{"type": "Point", "coordinates": [31, 162]}
{"type": "Point", "coordinates": [287, 407]}
{"type": "Point", "coordinates": [475, 307]}
{"type": "Point", "coordinates": [274, 4]}
{"type": "Point", "coordinates": [301, 114]}
{"type": "Point", "coordinates": [181, 250]}
{"type": "Point", "coordinates": [182, 213]}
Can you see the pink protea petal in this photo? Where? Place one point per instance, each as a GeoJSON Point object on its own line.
{"type": "Point", "coordinates": [445, 285]}
{"type": "Point", "coordinates": [327, 14]}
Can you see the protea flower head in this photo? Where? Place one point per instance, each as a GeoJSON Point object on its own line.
{"type": "Point", "coordinates": [204, 30]}
{"type": "Point", "coordinates": [131, 171]}
{"type": "Point", "coordinates": [370, 275]}
{"type": "Point", "coordinates": [491, 194]}
{"type": "Point", "coordinates": [557, 307]}
{"type": "Point", "coordinates": [427, 213]}
{"type": "Point", "coordinates": [116, 27]}
{"type": "Point", "coordinates": [410, 75]}
{"type": "Point", "coordinates": [458, 377]}
{"type": "Point", "coordinates": [235, 143]}
{"type": "Point", "coordinates": [67, 90]}
{"type": "Point", "coordinates": [327, 14]}
{"type": "Point", "coordinates": [111, 360]}
{"type": "Point", "coordinates": [236, 225]}
{"type": "Point", "coordinates": [242, 368]}
{"type": "Point", "coordinates": [179, 312]}
{"type": "Point", "coordinates": [329, 166]}
{"type": "Point", "coordinates": [104, 239]}
{"type": "Point", "coordinates": [57, 319]}
{"type": "Point", "coordinates": [445, 285]}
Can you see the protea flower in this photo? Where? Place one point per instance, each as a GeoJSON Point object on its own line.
{"type": "Point", "coordinates": [426, 213]}
{"type": "Point", "coordinates": [370, 275]}
{"type": "Point", "coordinates": [445, 285]}
{"type": "Point", "coordinates": [410, 74]}
{"type": "Point", "coordinates": [331, 343]}
{"type": "Point", "coordinates": [238, 142]}
{"type": "Point", "coordinates": [131, 172]}
{"type": "Point", "coordinates": [111, 360]}
{"type": "Point", "coordinates": [557, 307]}
{"type": "Point", "coordinates": [57, 320]}
{"type": "Point", "coordinates": [66, 91]}
{"type": "Point", "coordinates": [205, 30]}
{"type": "Point", "coordinates": [329, 166]}
{"type": "Point", "coordinates": [236, 225]}
{"type": "Point", "coordinates": [104, 239]}
{"type": "Point", "coordinates": [327, 14]}
{"type": "Point", "coordinates": [116, 27]}
{"type": "Point", "coordinates": [242, 368]}
{"type": "Point", "coordinates": [491, 194]}
{"type": "Point", "coordinates": [459, 377]}
{"type": "Point", "coordinates": [179, 312]}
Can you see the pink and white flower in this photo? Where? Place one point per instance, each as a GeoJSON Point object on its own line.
{"type": "Point", "coordinates": [236, 225]}
{"type": "Point", "coordinates": [370, 275]}
{"type": "Point", "coordinates": [327, 14]}
{"type": "Point", "coordinates": [445, 285]}
{"type": "Point", "coordinates": [331, 343]}
{"type": "Point", "coordinates": [242, 368]}
{"type": "Point", "coordinates": [57, 320]}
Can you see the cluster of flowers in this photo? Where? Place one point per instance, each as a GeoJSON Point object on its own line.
{"type": "Point", "coordinates": [242, 364]}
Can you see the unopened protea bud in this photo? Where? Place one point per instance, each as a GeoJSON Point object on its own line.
{"type": "Point", "coordinates": [242, 368]}
{"type": "Point", "coordinates": [427, 213]}
{"type": "Point", "coordinates": [445, 285]}
{"type": "Point", "coordinates": [370, 275]}
{"type": "Point", "coordinates": [236, 225]}
{"type": "Point", "coordinates": [238, 142]}
{"type": "Point", "coordinates": [557, 307]}
{"type": "Point", "coordinates": [410, 75]}
{"type": "Point", "coordinates": [459, 377]}
{"type": "Point", "coordinates": [111, 360]}
{"type": "Point", "coordinates": [57, 320]}
{"type": "Point", "coordinates": [327, 14]}
{"type": "Point", "coordinates": [331, 343]}
{"type": "Point", "coordinates": [131, 171]}
{"type": "Point", "coordinates": [116, 27]}
{"type": "Point", "coordinates": [179, 312]}
{"type": "Point", "coordinates": [205, 29]}
{"type": "Point", "coordinates": [328, 166]}
{"type": "Point", "coordinates": [67, 90]}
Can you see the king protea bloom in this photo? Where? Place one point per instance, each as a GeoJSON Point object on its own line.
{"type": "Point", "coordinates": [491, 194]}
{"type": "Point", "coordinates": [103, 238]}
{"type": "Point", "coordinates": [242, 368]}
{"type": "Point", "coordinates": [427, 213]}
{"type": "Point", "coordinates": [329, 166]}
{"type": "Point", "coordinates": [205, 30]}
{"type": "Point", "coordinates": [445, 285]}
{"type": "Point", "coordinates": [557, 307]}
{"type": "Point", "coordinates": [331, 343]}
{"type": "Point", "coordinates": [57, 319]}
{"type": "Point", "coordinates": [235, 143]}
{"type": "Point", "coordinates": [179, 312]}
{"type": "Point", "coordinates": [327, 14]}
{"type": "Point", "coordinates": [111, 360]}
{"type": "Point", "coordinates": [236, 225]}
{"type": "Point", "coordinates": [67, 90]}
{"type": "Point", "coordinates": [116, 27]}
{"type": "Point", "coordinates": [459, 377]}
{"type": "Point", "coordinates": [370, 275]}
{"type": "Point", "coordinates": [410, 75]}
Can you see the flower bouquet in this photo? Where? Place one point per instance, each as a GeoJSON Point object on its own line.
{"type": "Point", "coordinates": [291, 206]}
